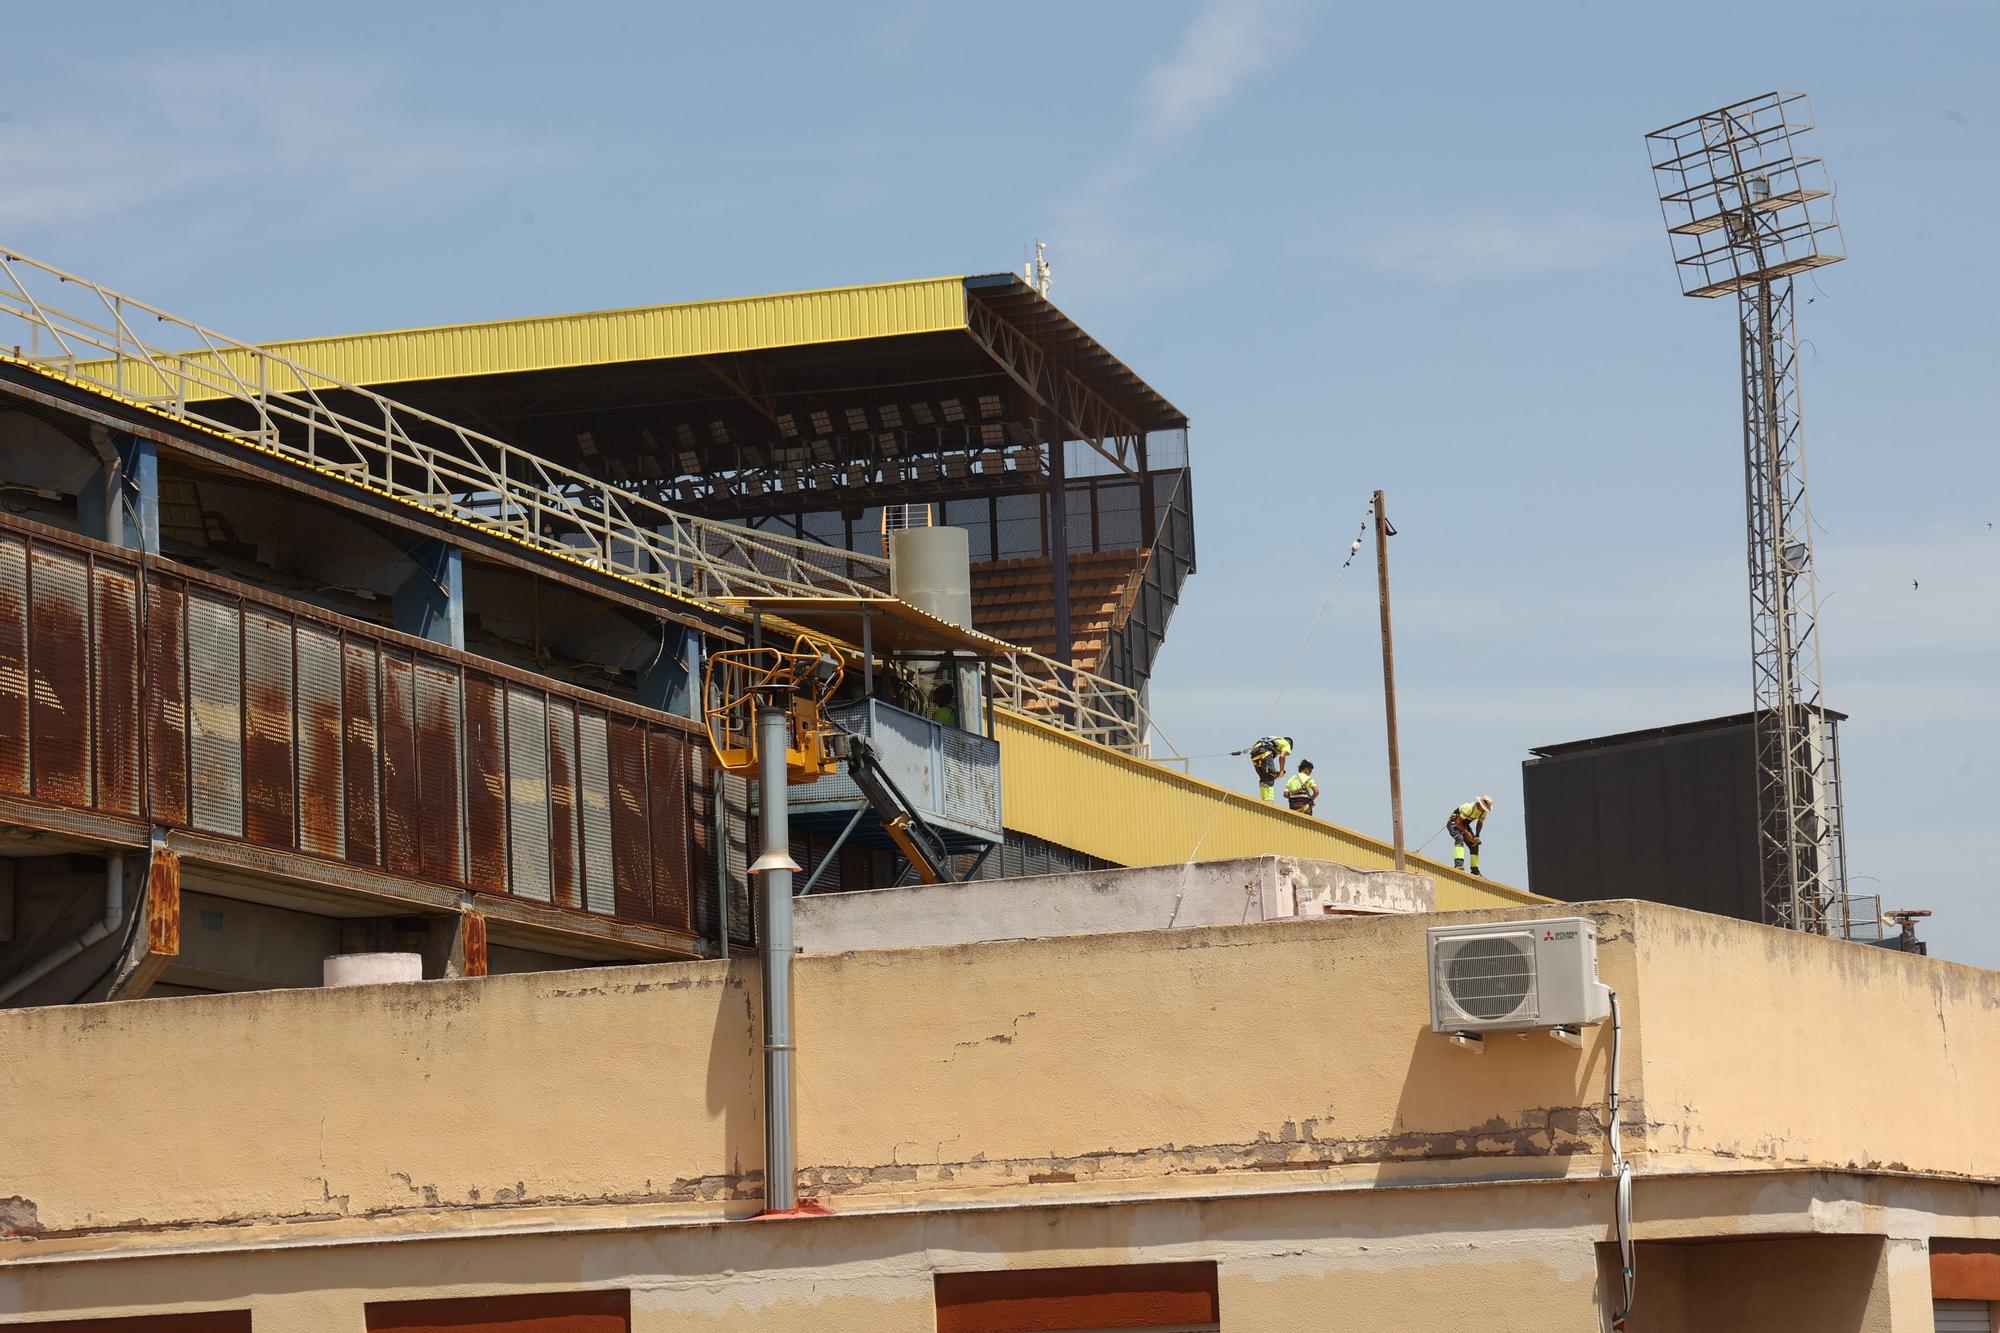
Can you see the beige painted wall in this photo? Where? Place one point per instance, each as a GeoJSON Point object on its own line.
{"type": "Point", "coordinates": [1499, 1257]}
{"type": "Point", "coordinates": [1287, 1055]}
{"type": "Point", "coordinates": [1768, 1046]}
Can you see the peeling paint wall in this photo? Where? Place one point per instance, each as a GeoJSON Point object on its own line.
{"type": "Point", "coordinates": [1765, 1046]}
{"type": "Point", "coordinates": [1285, 1056]}
{"type": "Point", "coordinates": [1497, 1257]}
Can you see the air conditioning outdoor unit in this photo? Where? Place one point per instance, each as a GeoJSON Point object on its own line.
{"type": "Point", "coordinates": [1516, 976]}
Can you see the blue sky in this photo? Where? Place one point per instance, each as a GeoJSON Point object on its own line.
{"type": "Point", "coordinates": [1409, 247]}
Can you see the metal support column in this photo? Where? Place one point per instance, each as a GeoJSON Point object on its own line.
{"type": "Point", "coordinates": [431, 602]}
{"type": "Point", "coordinates": [120, 504]}
{"type": "Point", "coordinates": [1059, 538]}
{"type": "Point", "coordinates": [667, 682]}
{"type": "Point", "coordinates": [1799, 835]}
{"type": "Point", "coordinates": [774, 870]}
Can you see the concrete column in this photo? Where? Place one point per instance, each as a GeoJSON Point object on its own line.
{"type": "Point", "coordinates": [1903, 1288]}
{"type": "Point", "coordinates": [431, 603]}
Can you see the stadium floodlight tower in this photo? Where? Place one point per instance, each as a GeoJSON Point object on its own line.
{"type": "Point", "coordinates": [1746, 208]}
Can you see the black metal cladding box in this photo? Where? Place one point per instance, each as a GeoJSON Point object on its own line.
{"type": "Point", "coordinates": [1669, 815]}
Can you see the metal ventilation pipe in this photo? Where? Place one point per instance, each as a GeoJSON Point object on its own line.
{"type": "Point", "coordinates": [114, 916]}
{"type": "Point", "coordinates": [781, 1193]}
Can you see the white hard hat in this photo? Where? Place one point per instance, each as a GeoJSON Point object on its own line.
{"type": "Point", "coordinates": [1486, 803]}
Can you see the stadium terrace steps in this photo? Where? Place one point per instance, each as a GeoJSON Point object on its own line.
{"type": "Point", "coordinates": [1010, 600]}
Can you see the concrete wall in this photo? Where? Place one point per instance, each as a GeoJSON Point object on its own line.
{"type": "Point", "coordinates": [1212, 893]}
{"type": "Point", "coordinates": [1195, 1062]}
{"type": "Point", "coordinates": [1497, 1257]}
{"type": "Point", "coordinates": [1768, 1046]}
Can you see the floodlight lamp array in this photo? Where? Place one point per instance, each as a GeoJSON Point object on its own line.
{"type": "Point", "coordinates": [1743, 200]}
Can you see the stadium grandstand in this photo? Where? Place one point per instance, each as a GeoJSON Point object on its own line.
{"type": "Point", "coordinates": [398, 639]}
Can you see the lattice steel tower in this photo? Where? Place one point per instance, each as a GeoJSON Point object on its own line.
{"type": "Point", "coordinates": [1746, 208]}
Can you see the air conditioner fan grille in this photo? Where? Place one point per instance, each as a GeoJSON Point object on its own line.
{"type": "Point", "coordinates": [1490, 979]}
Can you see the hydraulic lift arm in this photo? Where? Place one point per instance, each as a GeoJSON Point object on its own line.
{"type": "Point", "coordinates": [900, 820]}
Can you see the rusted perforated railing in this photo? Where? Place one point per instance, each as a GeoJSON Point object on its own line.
{"type": "Point", "coordinates": [136, 689]}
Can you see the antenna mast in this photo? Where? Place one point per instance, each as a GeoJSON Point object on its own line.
{"type": "Point", "coordinates": [1745, 210]}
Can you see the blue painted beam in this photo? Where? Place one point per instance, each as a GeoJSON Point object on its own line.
{"type": "Point", "coordinates": [120, 504]}
{"type": "Point", "coordinates": [668, 681]}
{"type": "Point", "coordinates": [431, 602]}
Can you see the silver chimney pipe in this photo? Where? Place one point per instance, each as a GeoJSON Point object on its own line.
{"type": "Point", "coordinates": [781, 1194]}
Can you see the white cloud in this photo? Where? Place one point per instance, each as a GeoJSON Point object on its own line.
{"type": "Point", "coordinates": [325, 135]}
{"type": "Point", "coordinates": [1494, 246]}
{"type": "Point", "coordinates": [1101, 234]}
{"type": "Point", "coordinates": [1228, 42]}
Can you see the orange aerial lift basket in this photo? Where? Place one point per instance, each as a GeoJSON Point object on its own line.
{"type": "Point", "coordinates": [802, 678]}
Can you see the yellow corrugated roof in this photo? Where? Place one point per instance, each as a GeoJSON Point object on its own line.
{"type": "Point", "coordinates": [1134, 812]}
{"type": "Point", "coordinates": [641, 333]}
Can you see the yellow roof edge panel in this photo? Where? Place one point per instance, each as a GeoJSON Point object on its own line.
{"type": "Point", "coordinates": [635, 333]}
{"type": "Point", "coordinates": [1136, 812]}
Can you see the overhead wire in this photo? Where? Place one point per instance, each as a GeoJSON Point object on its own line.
{"type": "Point", "coordinates": [1298, 658]}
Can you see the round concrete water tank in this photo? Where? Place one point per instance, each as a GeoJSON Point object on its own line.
{"type": "Point", "coordinates": [931, 569]}
{"type": "Point", "coordinates": [371, 969]}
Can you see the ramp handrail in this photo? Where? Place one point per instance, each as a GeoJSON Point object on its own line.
{"type": "Point", "coordinates": [401, 451]}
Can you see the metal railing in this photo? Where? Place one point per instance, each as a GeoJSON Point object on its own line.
{"type": "Point", "coordinates": [273, 403]}
{"type": "Point", "coordinates": [1089, 706]}
{"type": "Point", "coordinates": [399, 451]}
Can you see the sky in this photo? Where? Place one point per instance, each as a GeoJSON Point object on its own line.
{"type": "Point", "coordinates": [1410, 247]}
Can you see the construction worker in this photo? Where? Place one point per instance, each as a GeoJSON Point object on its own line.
{"type": "Point", "coordinates": [1268, 757]}
{"type": "Point", "coordinates": [1467, 822]}
{"type": "Point", "coordinates": [1301, 790]}
{"type": "Point", "coordinates": [944, 704]}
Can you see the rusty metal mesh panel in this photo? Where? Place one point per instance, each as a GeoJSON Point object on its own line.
{"type": "Point", "coordinates": [528, 792]}
{"type": "Point", "coordinates": [594, 795]}
{"type": "Point", "coordinates": [439, 779]}
{"type": "Point", "coordinates": [166, 703]}
{"type": "Point", "coordinates": [13, 665]}
{"type": "Point", "coordinates": [116, 612]}
{"type": "Point", "coordinates": [666, 773]}
{"type": "Point", "coordinates": [361, 773]}
{"type": "Point", "coordinates": [564, 853]}
{"type": "Point", "coordinates": [631, 853]}
{"type": "Point", "coordinates": [322, 794]}
{"type": "Point", "coordinates": [215, 713]}
{"type": "Point", "coordinates": [401, 803]}
{"type": "Point", "coordinates": [485, 739]}
{"type": "Point", "coordinates": [59, 657]}
{"type": "Point", "coordinates": [267, 727]}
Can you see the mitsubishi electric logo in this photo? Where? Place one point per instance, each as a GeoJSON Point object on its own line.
{"type": "Point", "coordinates": [1558, 935]}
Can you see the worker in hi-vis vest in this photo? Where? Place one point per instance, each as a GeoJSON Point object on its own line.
{"type": "Point", "coordinates": [1467, 822]}
{"type": "Point", "coordinates": [1268, 757]}
{"type": "Point", "coordinates": [1302, 789]}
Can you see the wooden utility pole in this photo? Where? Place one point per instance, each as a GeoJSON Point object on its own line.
{"type": "Point", "coordinates": [1382, 534]}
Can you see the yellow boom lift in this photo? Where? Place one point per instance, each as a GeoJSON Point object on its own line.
{"type": "Point", "coordinates": [802, 679]}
